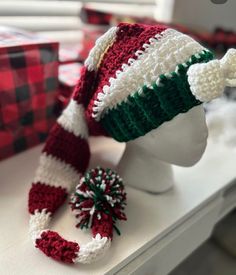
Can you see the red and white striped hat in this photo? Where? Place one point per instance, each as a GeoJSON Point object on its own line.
{"type": "Point", "coordinates": [135, 78]}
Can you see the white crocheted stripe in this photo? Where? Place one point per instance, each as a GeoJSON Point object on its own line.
{"type": "Point", "coordinates": [38, 222]}
{"type": "Point", "coordinates": [101, 46]}
{"type": "Point", "coordinates": [161, 56]}
{"type": "Point", "coordinates": [93, 250]}
{"type": "Point", "coordinates": [73, 120]}
{"type": "Point", "coordinates": [55, 172]}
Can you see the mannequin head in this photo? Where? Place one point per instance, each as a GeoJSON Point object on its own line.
{"type": "Point", "coordinates": [144, 85]}
{"type": "Point", "coordinates": [181, 141]}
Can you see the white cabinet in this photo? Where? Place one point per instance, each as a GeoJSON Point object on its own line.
{"type": "Point", "coordinates": [161, 230]}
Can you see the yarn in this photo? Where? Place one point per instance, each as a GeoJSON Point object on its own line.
{"type": "Point", "coordinates": [44, 196]}
{"type": "Point", "coordinates": [136, 78]}
{"type": "Point", "coordinates": [207, 81]}
{"type": "Point", "coordinates": [98, 202]}
{"type": "Point", "coordinates": [100, 193]}
{"type": "Point", "coordinates": [54, 246]}
{"type": "Point", "coordinates": [148, 109]}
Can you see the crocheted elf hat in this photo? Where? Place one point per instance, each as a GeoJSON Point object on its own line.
{"type": "Point", "coordinates": [135, 78]}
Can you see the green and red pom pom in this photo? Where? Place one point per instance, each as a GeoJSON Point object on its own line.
{"type": "Point", "coordinates": [100, 191]}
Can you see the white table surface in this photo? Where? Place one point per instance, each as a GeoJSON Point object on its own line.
{"type": "Point", "coordinates": [150, 217]}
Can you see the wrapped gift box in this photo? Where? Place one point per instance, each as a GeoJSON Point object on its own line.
{"type": "Point", "coordinates": [92, 16]}
{"type": "Point", "coordinates": [28, 89]}
{"type": "Point", "coordinates": [68, 78]}
{"type": "Point", "coordinates": [70, 54]}
{"type": "Point", "coordinates": [90, 35]}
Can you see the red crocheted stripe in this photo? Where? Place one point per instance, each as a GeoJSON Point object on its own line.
{"type": "Point", "coordinates": [104, 226]}
{"type": "Point", "coordinates": [130, 38]}
{"type": "Point", "coordinates": [43, 196]}
{"type": "Point", "coordinates": [83, 93]}
{"type": "Point", "coordinates": [68, 148]}
{"type": "Point", "coordinates": [56, 247]}
{"type": "Point", "coordinates": [83, 90]}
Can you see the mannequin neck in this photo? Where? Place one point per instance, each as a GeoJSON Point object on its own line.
{"type": "Point", "coordinates": [141, 170]}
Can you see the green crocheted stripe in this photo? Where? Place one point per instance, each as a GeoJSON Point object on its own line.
{"type": "Point", "coordinates": [148, 109]}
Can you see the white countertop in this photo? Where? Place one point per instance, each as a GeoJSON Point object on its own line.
{"type": "Point", "coordinates": [150, 217]}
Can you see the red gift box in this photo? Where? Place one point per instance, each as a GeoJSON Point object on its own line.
{"type": "Point", "coordinates": [68, 78]}
{"type": "Point", "coordinates": [28, 89]}
{"type": "Point", "coordinates": [90, 35]}
{"type": "Point", "coordinates": [70, 54]}
{"type": "Point", "coordinates": [92, 16]}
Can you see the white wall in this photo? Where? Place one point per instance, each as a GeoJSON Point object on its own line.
{"type": "Point", "coordinates": [199, 13]}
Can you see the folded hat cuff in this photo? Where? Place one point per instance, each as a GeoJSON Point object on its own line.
{"type": "Point", "coordinates": [148, 108]}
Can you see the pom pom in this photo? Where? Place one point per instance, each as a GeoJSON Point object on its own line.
{"type": "Point", "coordinates": [100, 191]}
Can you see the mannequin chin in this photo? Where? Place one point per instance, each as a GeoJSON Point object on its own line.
{"type": "Point", "coordinates": [181, 141]}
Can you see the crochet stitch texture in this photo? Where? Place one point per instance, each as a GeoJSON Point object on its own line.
{"type": "Point", "coordinates": [135, 78]}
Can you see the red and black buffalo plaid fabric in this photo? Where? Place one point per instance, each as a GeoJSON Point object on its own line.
{"type": "Point", "coordinates": [90, 35]}
{"type": "Point", "coordinates": [68, 78]}
{"type": "Point", "coordinates": [92, 16]}
{"type": "Point", "coordinates": [28, 88]}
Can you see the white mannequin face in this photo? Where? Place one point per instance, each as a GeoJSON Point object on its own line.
{"type": "Point", "coordinates": [181, 141]}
